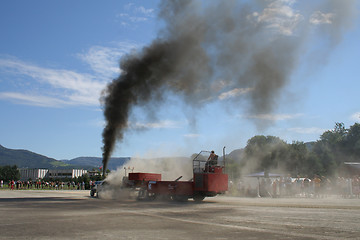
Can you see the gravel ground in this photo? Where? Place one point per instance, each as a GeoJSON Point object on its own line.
{"type": "Point", "coordinates": [74, 215]}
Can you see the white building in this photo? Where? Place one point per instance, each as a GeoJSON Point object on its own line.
{"type": "Point", "coordinates": [37, 173]}
{"type": "Point", "coordinates": [33, 174]}
{"type": "Point", "coordinates": [66, 173]}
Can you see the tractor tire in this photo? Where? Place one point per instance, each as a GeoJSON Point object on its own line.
{"type": "Point", "coordinates": [198, 197]}
{"type": "Point", "coordinates": [180, 198]}
{"type": "Point", "coordinates": [151, 197]}
{"type": "Point", "coordinates": [146, 196]}
{"type": "Point", "coordinates": [92, 193]}
{"type": "Point", "coordinates": [141, 195]}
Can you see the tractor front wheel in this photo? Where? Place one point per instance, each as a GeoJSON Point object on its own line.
{"type": "Point", "coordinates": [92, 193]}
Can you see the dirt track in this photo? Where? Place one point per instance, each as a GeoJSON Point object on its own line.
{"type": "Point", "coordinates": [74, 215]}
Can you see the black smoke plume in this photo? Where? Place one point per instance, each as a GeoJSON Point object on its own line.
{"type": "Point", "coordinates": [215, 50]}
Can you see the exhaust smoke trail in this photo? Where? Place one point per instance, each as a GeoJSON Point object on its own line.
{"type": "Point", "coordinates": [223, 49]}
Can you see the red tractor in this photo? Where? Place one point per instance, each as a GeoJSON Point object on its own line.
{"type": "Point", "coordinates": [209, 179]}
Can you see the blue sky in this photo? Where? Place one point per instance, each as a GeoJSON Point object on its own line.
{"type": "Point", "coordinates": [56, 57]}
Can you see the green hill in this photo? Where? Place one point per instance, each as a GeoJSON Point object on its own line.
{"type": "Point", "coordinates": [26, 159]}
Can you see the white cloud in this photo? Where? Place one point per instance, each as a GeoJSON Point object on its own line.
{"type": "Point", "coordinates": [146, 11]}
{"type": "Point", "coordinates": [135, 14]}
{"type": "Point", "coordinates": [77, 88]}
{"type": "Point", "coordinates": [192, 135]}
{"type": "Point", "coordinates": [234, 93]}
{"type": "Point", "coordinates": [64, 87]}
{"type": "Point", "coordinates": [96, 123]}
{"type": "Point", "coordinates": [273, 117]}
{"type": "Point", "coordinates": [105, 60]}
{"type": "Point", "coordinates": [157, 125]}
{"type": "Point", "coordinates": [279, 16]}
{"type": "Point", "coordinates": [355, 117]}
{"type": "Point", "coordinates": [138, 19]}
{"type": "Point", "coordinates": [321, 18]}
{"type": "Point", "coordinates": [129, 6]}
{"type": "Point", "coordinates": [311, 130]}
{"type": "Point", "coordinates": [34, 100]}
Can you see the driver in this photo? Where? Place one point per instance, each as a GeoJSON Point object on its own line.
{"type": "Point", "coordinates": [212, 156]}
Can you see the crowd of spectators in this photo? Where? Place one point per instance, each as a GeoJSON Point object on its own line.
{"type": "Point", "coordinates": [315, 187]}
{"type": "Point", "coordinates": [40, 184]}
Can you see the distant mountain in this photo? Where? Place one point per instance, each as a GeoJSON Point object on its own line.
{"type": "Point", "coordinates": [236, 155]}
{"type": "Point", "coordinates": [96, 162]}
{"type": "Point", "coordinates": [26, 159]}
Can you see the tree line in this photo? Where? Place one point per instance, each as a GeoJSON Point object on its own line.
{"type": "Point", "coordinates": [8, 173]}
{"type": "Point", "coordinates": [325, 157]}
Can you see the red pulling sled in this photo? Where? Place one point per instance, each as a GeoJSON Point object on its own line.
{"type": "Point", "coordinates": [209, 179]}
